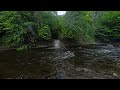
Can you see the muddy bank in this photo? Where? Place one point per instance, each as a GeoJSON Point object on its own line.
{"type": "Point", "coordinates": [46, 44]}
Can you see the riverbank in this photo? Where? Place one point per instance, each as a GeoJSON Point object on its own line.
{"type": "Point", "coordinates": [65, 43]}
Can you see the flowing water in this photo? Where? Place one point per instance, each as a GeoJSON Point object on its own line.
{"type": "Point", "coordinates": [57, 44]}
{"type": "Point", "coordinates": [85, 62]}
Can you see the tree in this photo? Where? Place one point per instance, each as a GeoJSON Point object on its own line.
{"type": "Point", "coordinates": [24, 27]}
{"type": "Point", "coordinates": [79, 25]}
{"type": "Point", "coordinates": [109, 26]}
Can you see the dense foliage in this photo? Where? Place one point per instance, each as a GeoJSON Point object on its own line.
{"type": "Point", "coordinates": [25, 27]}
{"type": "Point", "coordinates": [79, 25]}
{"type": "Point", "coordinates": [22, 28]}
{"type": "Point", "coordinates": [108, 26]}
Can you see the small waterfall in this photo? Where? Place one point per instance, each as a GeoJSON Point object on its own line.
{"type": "Point", "coordinates": [57, 44]}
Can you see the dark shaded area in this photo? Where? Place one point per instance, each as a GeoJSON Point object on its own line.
{"type": "Point", "coordinates": [2, 34]}
{"type": "Point", "coordinates": [68, 42]}
{"type": "Point", "coordinates": [116, 40]}
{"type": "Point", "coordinates": [55, 33]}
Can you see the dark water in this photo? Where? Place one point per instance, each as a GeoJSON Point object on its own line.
{"type": "Point", "coordinates": [90, 62]}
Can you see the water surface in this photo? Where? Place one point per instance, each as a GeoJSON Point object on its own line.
{"type": "Point", "coordinates": [91, 62]}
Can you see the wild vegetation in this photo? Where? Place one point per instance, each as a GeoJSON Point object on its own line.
{"type": "Point", "coordinates": [26, 28]}
{"type": "Point", "coordinates": [76, 45]}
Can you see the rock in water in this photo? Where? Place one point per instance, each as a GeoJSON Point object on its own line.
{"type": "Point", "coordinates": [115, 75]}
{"type": "Point", "coordinates": [84, 69]}
{"type": "Point", "coordinates": [60, 76]}
{"type": "Point", "coordinates": [79, 69]}
{"type": "Point", "coordinates": [109, 46]}
{"type": "Point", "coordinates": [106, 51]}
{"type": "Point", "coordinates": [103, 51]}
{"type": "Point", "coordinates": [68, 54]}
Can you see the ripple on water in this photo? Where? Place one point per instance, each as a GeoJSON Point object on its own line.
{"type": "Point", "coordinates": [43, 63]}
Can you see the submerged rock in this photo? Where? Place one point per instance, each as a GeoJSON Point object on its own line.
{"type": "Point", "coordinates": [79, 69]}
{"type": "Point", "coordinates": [106, 51]}
{"type": "Point", "coordinates": [115, 74]}
{"type": "Point", "coordinates": [103, 51]}
{"type": "Point", "coordinates": [68, 54]}
{"type": "Point", "coordinates": [84, 69]}
{"type": "Point", "coordinates": [109, 46]}
{"type": "Point", "coordinates": [9, 78]}
{"type": "Point", "coordinates": [65, 55]}
{"type": "Point", "coordinates": [60, 76]}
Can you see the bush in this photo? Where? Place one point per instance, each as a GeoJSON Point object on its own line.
{"type": "Point", "coordinates": [45, 33]}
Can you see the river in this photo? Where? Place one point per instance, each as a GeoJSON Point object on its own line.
{"type": "Point", "coordinates": [84, 62]}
